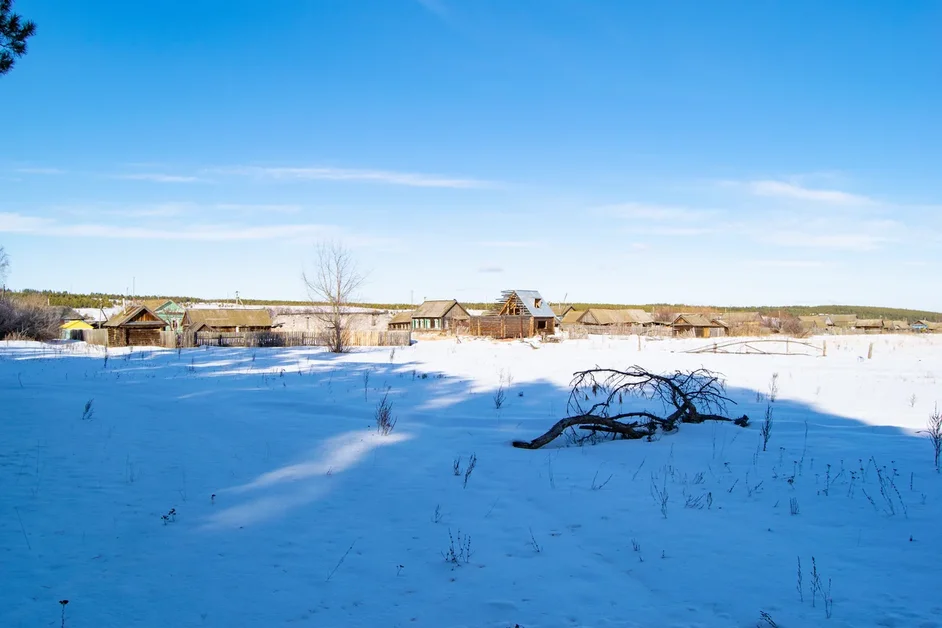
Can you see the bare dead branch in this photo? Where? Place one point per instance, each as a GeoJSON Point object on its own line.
{"type": "Point", "coordinates": [597, 395]}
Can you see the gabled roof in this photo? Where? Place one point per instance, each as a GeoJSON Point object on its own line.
{"type": "Point", "coordinates": [437, 309]}
{"type": "Point", "coordinates": [227, 317]}
{"type": "Point", "coordinates": [870, 323]}
{"type": "Point", "coordinates": [128, 317]}
{"type": "Point", "coordinates": [75, 324]}
{"type": "Point", "coordinates": [529, 300]}
{"type": "Point", "coordinates": [738, 318]}
{"type": "Point", "coordinates": [600, 316]}
{"type": "Point", "coordinates": [401, 318]}
{"type": "Point", "coordinates": [895, 324]}
{"type": "Point", "coordinates": [815, 321]}
{"type": "Point", "coordinates": [561, 309]}
{"type": "Point", "coordinates": [843, 320]}
{"type": "Point", "coordinates": [572, 317]}
{"type": "Point", "coordinates": [697, 320]}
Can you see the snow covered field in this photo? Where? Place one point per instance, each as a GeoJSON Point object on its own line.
{"type": "Point", "coordinates": [250, 488]}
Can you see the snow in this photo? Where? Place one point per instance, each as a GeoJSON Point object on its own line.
{"type": "Point", "coordinates": [289, 508]}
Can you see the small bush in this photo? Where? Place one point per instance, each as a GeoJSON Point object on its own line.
{"type": "Point", "coordinates": [385, 421]}
{"type": "Point", "coordinates": [459, 549]}
{"type": "Point", "coordinates": [22, 321]}
{"type": "Point", "coordinates": [934, 433]}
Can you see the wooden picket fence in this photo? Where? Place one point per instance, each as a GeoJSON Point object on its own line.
{"type": "Point", "coordinates": [354, 338]}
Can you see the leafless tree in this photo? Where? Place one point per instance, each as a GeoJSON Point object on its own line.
{"type": "Point", "coordinates": [597, 395]}
{"type": "Point", "coordinates": [4, 269]}
{"type": "Point", "coordinates": [333, 286]}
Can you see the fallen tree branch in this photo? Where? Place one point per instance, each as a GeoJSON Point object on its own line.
{"type": "Point", "coordinates": [687, 392]}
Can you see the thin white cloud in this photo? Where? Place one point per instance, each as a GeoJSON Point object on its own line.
{"type": "Point", "coordinates": [837, 241]}
{"type": "Point", "coordinates": [39, 171]}
{"type": "Point", "coordinates": [787, 263]}
{"type": "Point", "coordinates": [17, 223]}
{"type": "Point", "coordinates": [508, 244]}
{"type": "Point", "coordinates": [167, 210]}
{"type": "Point", "coordinates": [782, 189]}
{"type": "Point", "coordinates": [157, 177]}
{"type": "Point", "coordinates": [410, 179]}
{"type": "Point", "coordinates": [656, 213]}
{"type": "Point", "coordinates": [490, 269]}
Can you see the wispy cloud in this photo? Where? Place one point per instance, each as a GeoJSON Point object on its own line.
{"type": "Point", "coordinates": [490, 269]}
{"type": "Point", "coordinates": [39, 171]}
{"type": "Point", "coordinates": [788, 263]}
{"type": "Point", "coordinates": [411, 179]}
{"type": "Point", "coordinates": [171, 209]}
{"type": "Point", "coordinates": [157, 177]}
{"type": "Point", "coordinates": [783, 189]}
{"type": "Point", "coordinates": [508, 244]}
{"type": "Point", "coordinates": [837, 241]}
{"type": "Point", "coordinates": [17, 223]}
{"type": "Point", "coordinates": [656, 213]}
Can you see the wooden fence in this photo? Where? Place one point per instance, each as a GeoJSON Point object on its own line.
{"type": "Point", "coordinates": [584, 331]}
{"type": "Point", "coordinates": [501, 326]}
{"type": "Point", "coordinates": [355, 338]}
{"type": "Point", "coordinates": [174, 340]}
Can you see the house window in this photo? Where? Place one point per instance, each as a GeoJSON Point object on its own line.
{"type": "Point", "coordinates": [538, 302]}
{"type": "Point", "coordinates": [541, 324]}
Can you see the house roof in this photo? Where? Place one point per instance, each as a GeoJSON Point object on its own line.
{"type": "Point", "coordinates": [228, 317]}
{"type": "Point", "coordinates": [872, 323]}
{"type": "Point", "coordinates": [843, 319]}
{"type": "Point", "coordinates": [75, 324]}
{"type": "Point", "coordinates": [436, 309]}
{"type": "Point", "coordinates": [617, 317]}
{"type": "Point", "coordinates": [529, 300]}
{"type": "Point", "coordinates": [572, 317]}
{"type": "Point", "coordinates": [738, 318]}
{"type": "Point", "coordinates": [125, 318]}
{"type": "Point", "coordinates": [816, 321]}
{"type": "Point", "coordinates": [561, 309]}
{"type": "Point", "coordinates": [895, 324]}
{"type": "Point", "coordinates": [401, 318]}
{"type": "Point", "coordinates": [697, 320]}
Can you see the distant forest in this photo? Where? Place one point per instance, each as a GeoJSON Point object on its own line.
{"type": "Point", "coordinates": [100, 300]}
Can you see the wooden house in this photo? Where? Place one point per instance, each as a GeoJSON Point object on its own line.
{"type": "Point", "coordinates": [227, 320]}
{"type": "Point", "coordinates": [170, 311]}
{"type": "Point", "coordinates": [401, 321]}
{"type": "Point", "coordinates": [869, 325]}
{"type": "Point", "coordinates": [815, 323]}
{"type": "Point", "coordinates": [66, 329]}
{"type": "Point", "coordinates": [133, 327]}
{"type": "Point", "coordinates": [893, 327]}
{"type": "Point", "coordinates": [925, 326]}
{"type": "Point", "coordinates": [742, 323]}
{"type": "Point", "coordinates": [608, 318]}
{"type": "Point", "coordinates": [571, 317]}
{"type": "Point", "coordinates": [698, 325]}
{"type": "Point", "coordinates": [518, 314]}
{"type": "Point", "coordinates": [445, 316]}
{"type": "Point", "coordinates": [843, 321]}
{"type": "Point", "coordinates": [561, 309]}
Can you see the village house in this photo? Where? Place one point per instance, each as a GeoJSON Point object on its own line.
{"type": "Point", "coordinates": [518, 314]}
{"type": "Point", "coordinates": [66, 329]}
{"type": "Point", "coordinates": [815, 323]}
{"type": "Point", "coordinates": [561, 310]}
{"type": "Point", "coordinates": [226, 320]}
{"type": "Point", "coordinates": [698, 325]}
{"type": "Point", "coordinates": [133, 327]}
{"type": "Point", "coordinates": [169, 311]}
{"type": "Point", "coordinates": [446, 316]}
{"type": "Point", "coordinates": [400, 322]}
{"type": "Point", "coordinates": [895, 326]}
{"type": "Point", "coordinates": [742, 323]}
{"type": "Point", "coordinates": [601, 317]}
{"type": "Point", "coordinates": [843, 321]}
{"type": "Point", "coordinates": [869, 325]}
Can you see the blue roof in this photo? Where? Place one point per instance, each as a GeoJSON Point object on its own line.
{"type": "Point", "coordinates": [529, 298]}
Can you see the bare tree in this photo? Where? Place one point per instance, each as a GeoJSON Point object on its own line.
{"type": "Point", "coordinates": [597, 395]}
{"type": "Point", "coordinates": [4, 269]}
{"type": "Point", "coordinates": [333, 286]}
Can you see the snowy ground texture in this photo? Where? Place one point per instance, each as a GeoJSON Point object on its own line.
{"type": "Point", "coordinates": [250, 488]}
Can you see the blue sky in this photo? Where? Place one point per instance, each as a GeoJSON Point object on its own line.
{"type": "Point", "coordinates": [723, 153]}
